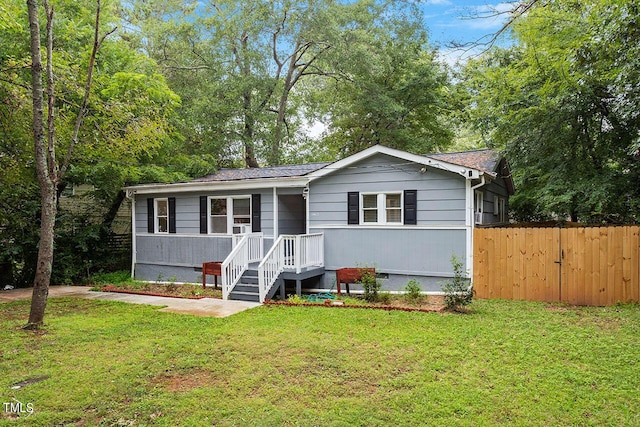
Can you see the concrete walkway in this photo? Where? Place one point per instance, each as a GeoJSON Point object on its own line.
{"type": "Point", "coordinates": [198, 307]}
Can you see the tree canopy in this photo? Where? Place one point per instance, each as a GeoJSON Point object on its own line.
{"type": "Point", "coordinates": [563, 105]}
{"type": "Point", "coordinates": [251, 74]}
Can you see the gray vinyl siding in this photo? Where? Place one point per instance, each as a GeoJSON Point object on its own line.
{"type": "Point", "coordinates": [188, 210]}
{"type": "Point", "coordinates": [440, 196]}
{"type": "Point", "coordinates": [498, 188]}
{"type": "Point", "coordinates": [162, 255]}
{"type": "Point", "coordinates": [412, 251]}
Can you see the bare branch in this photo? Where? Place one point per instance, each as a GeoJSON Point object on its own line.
{"type": "Point", "coordinates": [186, 68]}
{"type": "Point", "coordinates": [97, 41]}
{"type": "Point", "coordinates": [520, 9]}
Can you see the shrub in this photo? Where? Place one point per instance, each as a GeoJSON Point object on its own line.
{"type": "Point", "coordinates": [371, 286]}
{"type": "Point", "coordinates": [458, 292]}
{"type": "Point", "coordinates": [384, 298]}
{"type": "Point", "coordinates": [296, 299]}
{"type": "Point", "coordinates": [413, 291]}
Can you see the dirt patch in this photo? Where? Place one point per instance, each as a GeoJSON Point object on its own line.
{"type": "Point", "coordinates": [427, 307]}
{"type": "Point", "coordinates": [176, 382]}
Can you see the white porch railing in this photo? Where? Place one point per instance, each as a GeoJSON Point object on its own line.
{"type": "Point", "coordinates": [289, 252]}
{"type": "Point", "coordinates": [256, 245]}
{"type": "Point", "coordinates": [247, 248]}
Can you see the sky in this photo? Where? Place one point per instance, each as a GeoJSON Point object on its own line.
{"type": "Point", "coordinates": [461, 21]}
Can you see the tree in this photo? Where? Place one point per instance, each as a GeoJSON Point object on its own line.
{"type": "Point", "coordinates": [246, 71]}
{"type": "Point", "coordinates": [560, 103]}
{"type": "Point", "coordinates": [128, 136]}
{"type": "Point", "coordinates": [48, 170]}
{"type": "Point", "coordinates": [396, 93]}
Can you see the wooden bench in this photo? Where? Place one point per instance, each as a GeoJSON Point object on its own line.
{"type": "Point", "coordinates": [213, 268]}
{"type": "Point", "coordinates": [351, 275]}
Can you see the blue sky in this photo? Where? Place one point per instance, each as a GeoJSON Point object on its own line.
{"type": "Point", "coordinates": [451, 20]}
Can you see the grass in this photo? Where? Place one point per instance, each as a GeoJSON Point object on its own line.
{"type": "Point", "coordinates": [509, 363]}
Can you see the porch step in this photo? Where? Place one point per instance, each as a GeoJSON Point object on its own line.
{"type": "Point", "coordinates": [250, 276]}
{"type": "Point", "coordinates": [247, 289]}
{"type": "Point", "coordinates": [245, 292]}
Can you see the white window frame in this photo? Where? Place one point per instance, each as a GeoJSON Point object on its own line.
{"type": "Point", "coordinates": [502, 205]}
{"type": "Point", "coordinates": [230, 216]}
{"type": "Point", "coordinates": [500, 208]}
{"type": "Point", "coordinates": [156, 216]}
{"type": "Point", "coordinates": [381, 208]}
{"type": "Point", "coordinates": [479, 206]}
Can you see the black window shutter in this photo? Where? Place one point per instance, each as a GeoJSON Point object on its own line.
{"type": "Point", "coordinates": [172, 214]}
{"type": "Point", "coordinates": [204, 229]}
{"type": "Point", "coordinates": [150, 216]}
{"type": "Point", "coordinates": [256, 213]}
{"type": "Point", "coordinates": [410, 207]}
{"type": "Point", "coordinates": [353, 207]}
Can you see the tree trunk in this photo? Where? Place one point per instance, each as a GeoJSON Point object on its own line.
{"type": "Point", "coordinates": [47, 185]}
{"type": "Point", "coordinates": [45, 256]}
{"type": "Point", "coordinates": [249, 122]}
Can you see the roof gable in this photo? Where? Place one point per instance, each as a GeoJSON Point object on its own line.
{"type": "Point", "coordinates": [466, 170]}
{"type": "Point", "coordinates": [285, 171]}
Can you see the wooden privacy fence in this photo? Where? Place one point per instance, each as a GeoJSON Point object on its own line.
{"type": "Point", "coordinates": [582, 266]}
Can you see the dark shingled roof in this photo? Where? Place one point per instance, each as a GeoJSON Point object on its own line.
{"type": "Point", "coordinates": [258, 173]}
{"type": "Point", "coordinates": [482, 160]}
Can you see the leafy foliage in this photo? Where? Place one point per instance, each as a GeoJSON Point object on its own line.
{"type": "Point", "coordinates": [365, 67]}
{"type": "Point", "coordinates": [563, 105]}
{"type": "Point", "coordinates": [129, 137]}
{"type": "Point", "coordinates": [458, 292]}
{"type": "Point", "coordinates": [371, 286]}
{"type": "Point", "coordinates": [413, 292]}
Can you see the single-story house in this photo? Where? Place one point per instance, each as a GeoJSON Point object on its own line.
{"type": "Point", "coordinates": [404, 214]}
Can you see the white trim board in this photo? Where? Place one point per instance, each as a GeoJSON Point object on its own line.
{"type": "Point", "coordinates": [247, 184]}
{"type": "Point", "coordinates": [468, 173]}
{"type": "Point", "coordinates": [386, 227]}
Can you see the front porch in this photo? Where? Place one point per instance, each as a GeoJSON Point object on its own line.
{"type": "Point", "coordinates": [248, 274]}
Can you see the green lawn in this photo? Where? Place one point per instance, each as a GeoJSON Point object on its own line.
{"type": "Point", "coordinates": [509, 363]}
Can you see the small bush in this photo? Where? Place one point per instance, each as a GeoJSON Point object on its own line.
{"type": "Point", "coordinates": [384, 298]}
{"type": "Point", "coordinates": [413, 292]}
{"type": "Point", "coordinates": [371, 286]}
{"type": "Point", "coordinates": [296, 299]}
{"type": "Point", "coordinates": [458, 291]}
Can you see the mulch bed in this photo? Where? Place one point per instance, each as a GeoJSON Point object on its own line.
{"type": "Point", "coordinates": [110, 288]}
{"type": "Point", "coordinates": [435, 309]}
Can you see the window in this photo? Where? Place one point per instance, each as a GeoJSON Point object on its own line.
{"type": "Point", "coordinates": [162, 216]}
{"type": "Point", "coordinates": [479, 208]}
{"type": "Point", "coordinates": [218, 217]}
{"type": "Point", "coordinates": [502, 209]}
{"type": "Point", "coordinates": [382, 208]}
{"type": "Point", "coordinates": [370, 208]}
{"type": "Point", "coordinates": [241, 214]}
{"type": "Point", "coordinates": [229, 215]}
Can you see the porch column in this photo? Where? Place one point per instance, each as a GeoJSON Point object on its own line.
{"type": "Point", "coordinates": [275, 214]}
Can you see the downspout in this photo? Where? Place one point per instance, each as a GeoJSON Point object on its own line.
{"type": "Point", "coordinates": [471, 223]}
{"type": "Point", "coordinates": [131, 196]}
